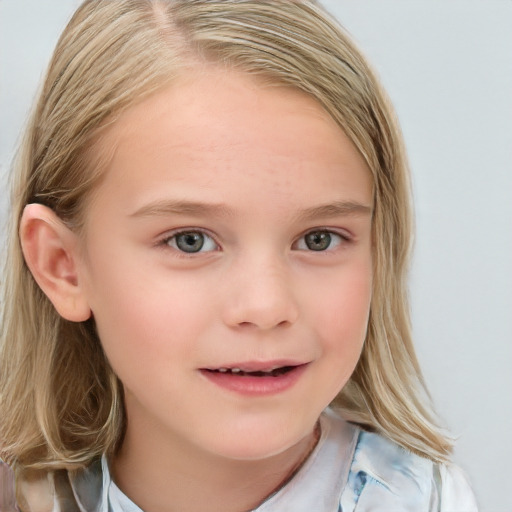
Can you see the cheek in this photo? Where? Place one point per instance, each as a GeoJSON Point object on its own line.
{"type": "Point", "coordinates": [147, 315]}
{"type": "Point", "coordinates": [342, 310]}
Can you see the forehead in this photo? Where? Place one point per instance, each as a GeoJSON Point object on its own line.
{"type": "Point", "coordinates": [215, 128]}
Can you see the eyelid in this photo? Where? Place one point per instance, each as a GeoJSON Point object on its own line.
{"type": "Point", "coordinates": [345, 235]}
{"type": "Point", "coordinates": [163, 240]}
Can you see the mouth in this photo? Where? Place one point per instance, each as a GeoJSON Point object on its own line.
{"type": "Point", "coordinates": [256, 379]}
{"type": "Point", "coordinates": [274, 372]}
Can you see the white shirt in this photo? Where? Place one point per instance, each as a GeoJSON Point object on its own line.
{"type": "Point", "coordinates": [350, 468]}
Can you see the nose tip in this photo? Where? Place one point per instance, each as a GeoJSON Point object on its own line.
{"type": "Point", "coordinates": [264, 319]}
{"type": "Point", "coordinates": [263, 301]}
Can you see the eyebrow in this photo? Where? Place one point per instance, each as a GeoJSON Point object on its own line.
{"type": "Point", "coordinates": [336, 209]}
{"type": "Point", "coordinates": [168, 207]}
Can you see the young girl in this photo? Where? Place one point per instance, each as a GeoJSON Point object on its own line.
{"type": "Point", "coordinates": [205, 299]}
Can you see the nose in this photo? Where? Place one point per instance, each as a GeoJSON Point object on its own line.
{"type": "Point", "coordinates": [260, 296]}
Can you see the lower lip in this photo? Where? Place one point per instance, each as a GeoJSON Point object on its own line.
{"type": "Point", "coordinates": [256, 386]}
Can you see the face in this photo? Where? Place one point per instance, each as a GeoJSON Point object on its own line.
{"type": "Point", "coordinates": [227, 263]}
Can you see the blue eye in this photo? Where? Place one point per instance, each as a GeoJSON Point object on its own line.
{"type": "Point", "coordinates": [192, 242]}
{"type": "Point", "coordinates": [319, 240]}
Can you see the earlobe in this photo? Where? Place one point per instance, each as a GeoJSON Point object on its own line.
{"type": "Point", "coordinates": [50, 251]}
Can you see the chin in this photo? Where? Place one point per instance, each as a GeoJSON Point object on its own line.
{"type": "Point", "coordinates": [252, 452]}
{"type": "Point", "coordinates": [252, 444]}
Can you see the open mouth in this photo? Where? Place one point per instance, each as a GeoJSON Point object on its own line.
{"type": "Point", "coordinates": [256, 379]}
{"type": "Point", "coordinates": [276, 372]}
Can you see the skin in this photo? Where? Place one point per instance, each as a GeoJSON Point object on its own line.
{"type": "Point", "coordinates": [276, 167]}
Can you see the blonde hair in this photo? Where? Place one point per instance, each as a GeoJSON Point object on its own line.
{"type": "Point", "coordinates": [61, 405]}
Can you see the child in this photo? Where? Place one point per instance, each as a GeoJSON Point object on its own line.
{"type": "Point", "coordinates": [209, 244]}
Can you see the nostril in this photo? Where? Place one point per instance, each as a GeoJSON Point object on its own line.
{"type": "Point", "coordinates": [261, 325]}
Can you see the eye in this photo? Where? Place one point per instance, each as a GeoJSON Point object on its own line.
{"type": "Point", "coordinates": [191, 242]}
{"type": "Point", "coordinates": [320, 240]}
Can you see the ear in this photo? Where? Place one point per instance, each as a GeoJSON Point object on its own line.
{"type": "Point", "coordinates": [50, 249]}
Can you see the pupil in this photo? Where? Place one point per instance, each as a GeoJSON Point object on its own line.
{"type": "Point", "coordinates": [190, 242]}
{"type": "Point", "coordinates": [318, 240]}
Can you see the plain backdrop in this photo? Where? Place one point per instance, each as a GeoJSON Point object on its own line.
{"type": "Point", "coordinates": [447, 65]}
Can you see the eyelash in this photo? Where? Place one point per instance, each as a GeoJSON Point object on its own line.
{"type": "Point", "coordinates": [165, 242]}
{"type": "Point", "coordinates": [344, 238]}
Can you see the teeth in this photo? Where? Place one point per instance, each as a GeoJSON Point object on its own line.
{"type": "Point", "coordinates": [238, 371]}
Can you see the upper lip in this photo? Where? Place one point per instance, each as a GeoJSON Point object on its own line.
{"type": "Point", "coordinates": [258, 366]}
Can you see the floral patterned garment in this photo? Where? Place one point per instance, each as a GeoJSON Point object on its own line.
{"type": "Point", "coordinates": [349, 471]}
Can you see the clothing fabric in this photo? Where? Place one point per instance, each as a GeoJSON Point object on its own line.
{"type": "Point", "coordinates": [349, 471]}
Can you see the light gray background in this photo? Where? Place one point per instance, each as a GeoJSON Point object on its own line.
{"type": "Point", "coordinates": [447, 65]}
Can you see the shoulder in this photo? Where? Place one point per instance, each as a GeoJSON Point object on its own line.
{"type": "Point", "coordinates": [59, 490]}
{"type": "Point", "coordinates": [7, 499]}
{"type": "Point", "coordinates": [454, 491]}
{"type": "Point", "coordinates": [386, 476]}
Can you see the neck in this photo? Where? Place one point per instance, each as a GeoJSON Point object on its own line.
{"type": "Point", "coordinates": [170, 475]}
